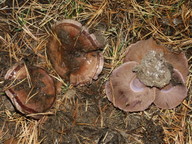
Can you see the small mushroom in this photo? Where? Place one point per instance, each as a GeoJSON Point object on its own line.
{"type": "Point", "coordinates": [74, 52]}
{"type": "Point", "coordinates": [126, 92]}
{"type": "Point", "coordinates": [170, 94]}
{"type": "Point", "coordinates": [173, 94]}
{"type": "Point", "coordinates": [30, 89]}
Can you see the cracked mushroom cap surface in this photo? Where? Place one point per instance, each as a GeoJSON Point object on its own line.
{"type": "Point", "coordinates": [31, 89]}
{"type": "Point", "coordinates": [126, 92]}
{"type": "Point", "coordinates": [173, 94]}
{"type": "Point", "coordinates": [75, 53]}
{"type": "Point", "coordinates": [136, 52]}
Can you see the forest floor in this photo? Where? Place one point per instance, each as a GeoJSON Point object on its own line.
{"type": "Point", "coordinates": [83, 114]}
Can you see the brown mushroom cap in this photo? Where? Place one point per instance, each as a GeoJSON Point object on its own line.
{"type": "Point", "coordinates": [126, 92]}
{"type": "Point", "coordinates": [74, 53]}
{"type": "Point", "coordinates": [173, 94]}
{"type": "Point", "coordinates": [89, 70]}
{"type": "Point", "coordinates": [137, 51]}
{"type": "Point", "coordinates": [35, 97]}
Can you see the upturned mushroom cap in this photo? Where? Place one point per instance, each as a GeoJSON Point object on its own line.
{"type": "Point", "coordinates": [28, 97]}
{"type": "Point", "coordinates": [173, 94]}
{"type": "Point", "coordinates": [92, 66]}
{"type": "Point", "coordinates": [136, 52]}
{"type": "Point", "coordinates": [74, 53]}
{"type": "Point", "coordinates": [126, 92]}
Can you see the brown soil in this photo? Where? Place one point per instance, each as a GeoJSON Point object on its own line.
{"type": "Point", "coordinates": [86, 116]}
{"type": "Point", "coordinates": [83, 115]}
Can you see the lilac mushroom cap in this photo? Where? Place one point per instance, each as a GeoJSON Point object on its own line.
{"type": "Point", "coordinates": [173, 94]}
{"type": "Point", "coordinates": [74, 52]}
{"type": "Point", "coordinates": [126, 92]}
{"type": "Point", "coordinates": [31, 90]}
{"type": "Point", "coordinates": [136, 52]}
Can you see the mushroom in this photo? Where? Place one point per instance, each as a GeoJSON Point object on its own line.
{"type": "Point", "coordinates": [168, 95]}
{"type": "Point", "coordinates": [126, 92]}
{"type": "Point", "coordinates": [75, 53]}
{"type": "Point", "coordinates": [137, 51]}
{"type": "Point", "coordinates": [30, 89]}
{"type": "Point", "coordinates": [173, 94]}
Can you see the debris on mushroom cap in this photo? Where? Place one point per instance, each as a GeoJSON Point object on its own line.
{"type": "Point", "coordinates": [137, 51]}
{"type": "Point", "coordinates": [74, 53]}
{"type": "Point", "coordinates": [154, 70]}
{"type": "Point", "coordinates": [30, 89]}
{"type": "Point", "coordinates": [179, 62]}
{"type": "Point", "coordinates": [173, 94]}
{"type": "Point", "coordinates": [126, 92]}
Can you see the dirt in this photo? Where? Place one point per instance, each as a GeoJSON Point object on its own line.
{"type": "Point", "coordinates": [152, 133]}
{"type": "Point", "coordinates": [4, 65]}
{"type": "Point", "coordinates": [97, 123]}
{"type": "Point", "coordinates": [154, 70]}
{"type": "Point", "coordinates": [85, 116]}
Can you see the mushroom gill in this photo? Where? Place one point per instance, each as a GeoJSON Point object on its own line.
{"type": "Point", "coordinates": [74, 52]}
{"type": "Point", "coordinates": [30, 89]}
